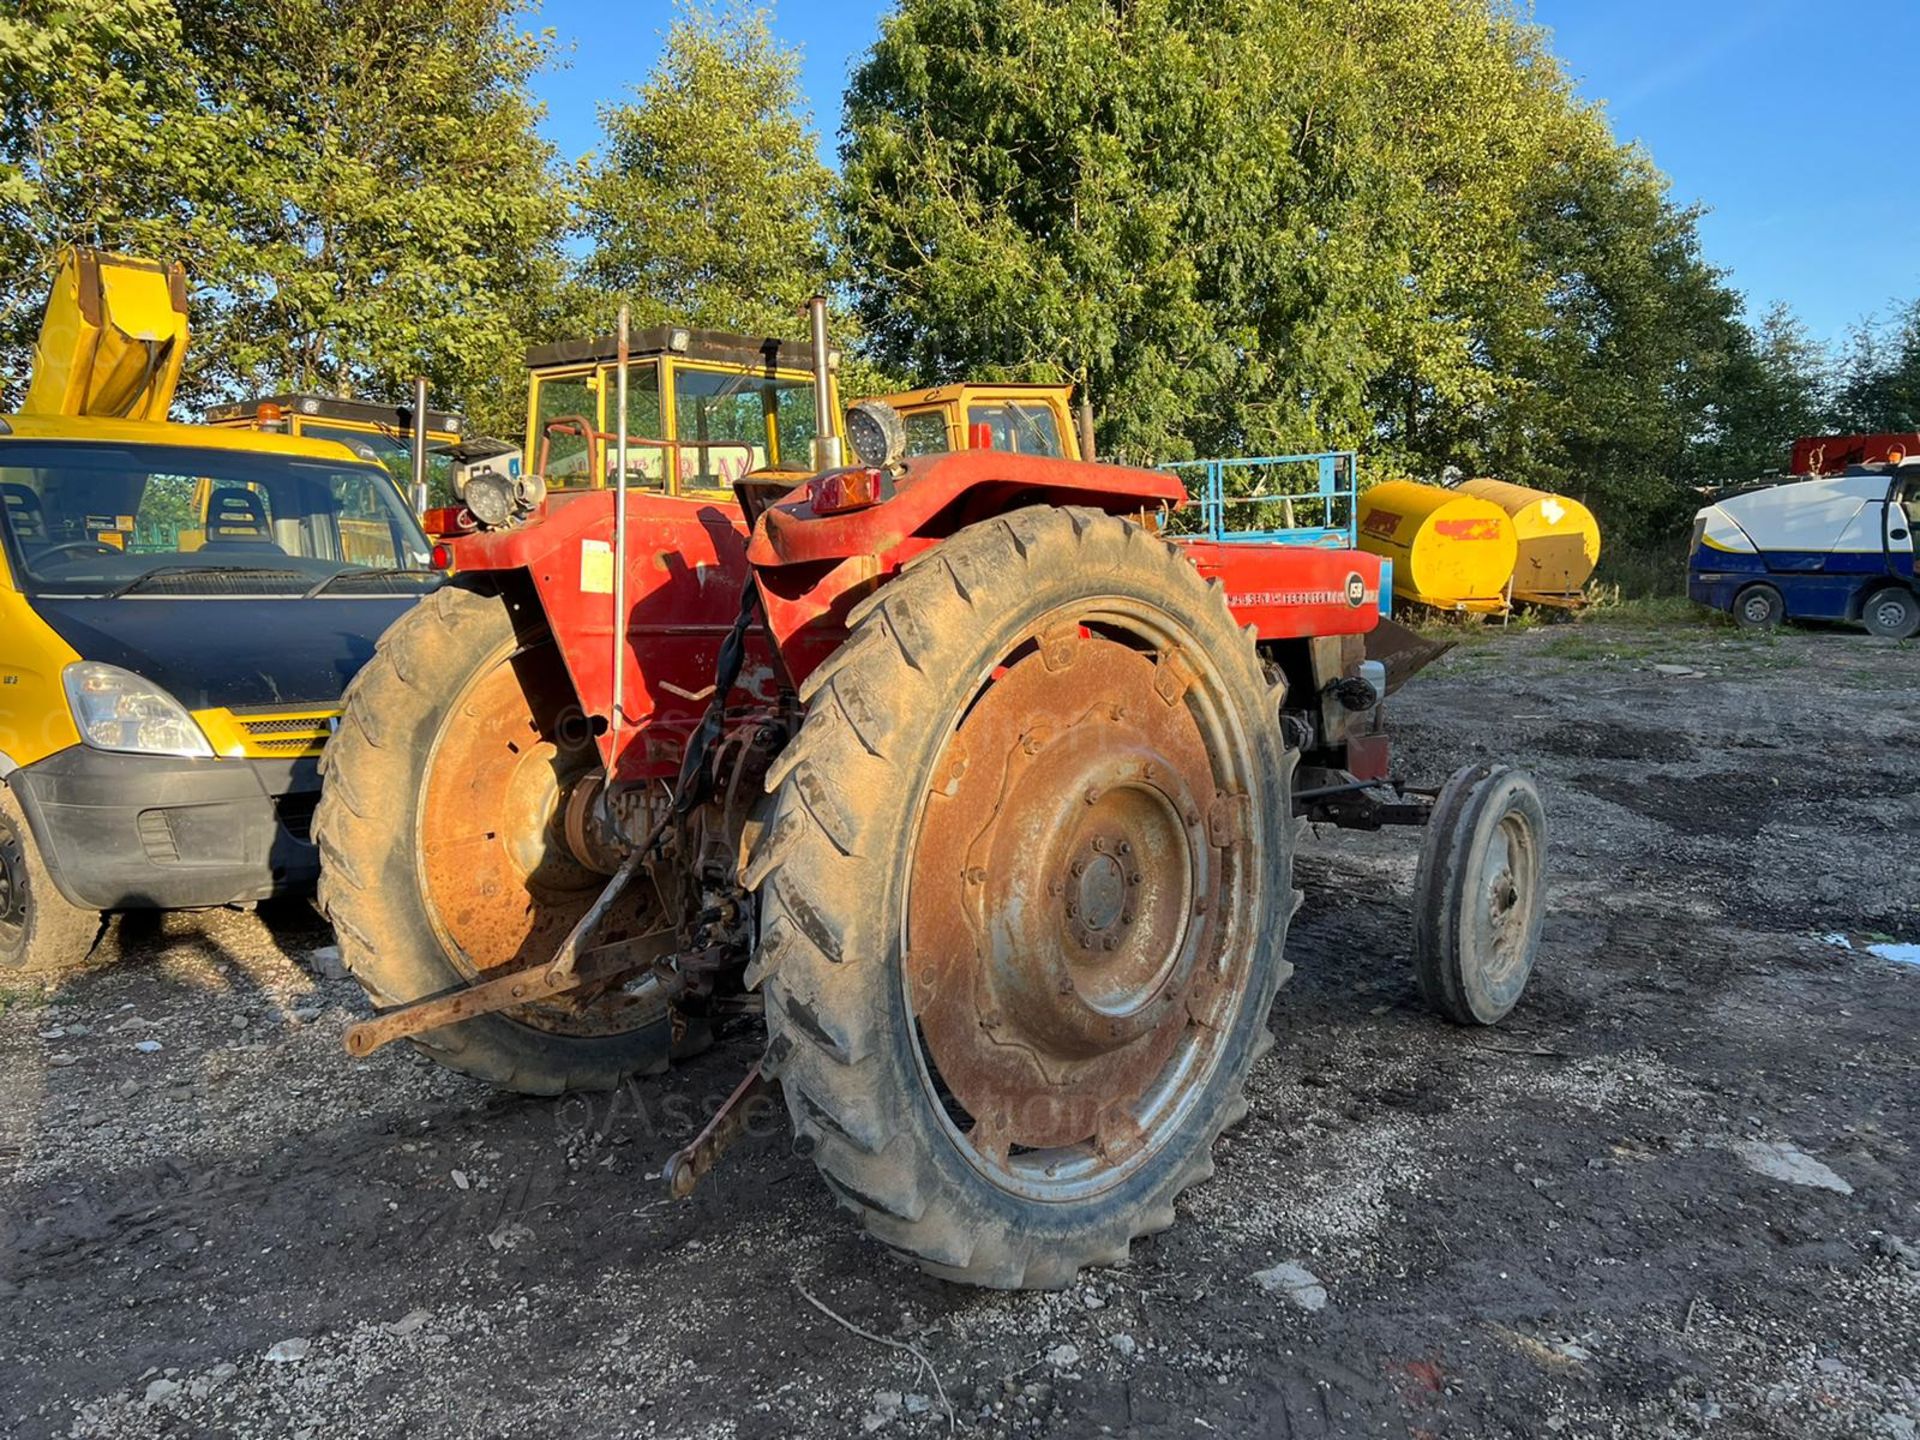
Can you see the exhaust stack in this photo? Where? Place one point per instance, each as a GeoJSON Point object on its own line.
{"type": "Point", "coordinates": [826, 442]}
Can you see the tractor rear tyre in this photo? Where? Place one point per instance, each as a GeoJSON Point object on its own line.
{"type": "Point", "coordinates": [1479, 896]}
{"type": "Point", "coordinates": [1024, 892]}
{"type": "Point", "coordinates": [442, 857]}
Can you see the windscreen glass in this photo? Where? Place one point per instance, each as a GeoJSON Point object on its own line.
{"type": "Point", "coordinates": [393, 451]}
{"type": "Point", "coordinates": [89, 519]}
{"type": "Point", "coordinates": [1023, 429]}
{"type": "Point", "coordinates": [730, 422]}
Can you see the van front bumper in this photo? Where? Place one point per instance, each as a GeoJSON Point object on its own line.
{"type": "Point", "coordinates": [124, 832]}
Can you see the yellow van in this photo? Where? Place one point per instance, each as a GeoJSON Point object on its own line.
{"type": "Point", "coordinates": [180, 610]}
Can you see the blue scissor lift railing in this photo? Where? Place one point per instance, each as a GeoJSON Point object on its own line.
{"type": "Point", "coordinates": [1311, 499]}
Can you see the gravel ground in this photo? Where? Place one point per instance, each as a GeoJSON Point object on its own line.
{"type": "Point", "coordinates": [1675, 1195]}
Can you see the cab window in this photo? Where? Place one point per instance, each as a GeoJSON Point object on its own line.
{"type": "Point", "coordinates": [569, 460]}
{"type": "Point", "coordinates": [1023, 429]}
{"type": "Point", "coordinates": [730, 422]}
{"type": "Point", "coordinates": [926, 432]}
{"type": "Point", "coordinates": [393, 451]}
{"type": "Point", "coordinates": [647, 449]}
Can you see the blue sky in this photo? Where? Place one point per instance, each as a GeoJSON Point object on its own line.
{"type": "Point", "coordinates": [1795, 122]}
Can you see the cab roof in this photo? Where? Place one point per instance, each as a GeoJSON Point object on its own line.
{"type": "Point", "coordinates": [961, 390]}
{"type": "Point", "coordinates": [152, 432]}
{"type": "Point", "coordinates": [302, 404]}
{"type": "Point", "coordinates": [721, 347]}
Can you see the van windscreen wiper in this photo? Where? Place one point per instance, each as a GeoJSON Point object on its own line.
{"type": "Point", "coordinates": [179, 572]}
{"type": "Point", "coordinates": [339, 575]}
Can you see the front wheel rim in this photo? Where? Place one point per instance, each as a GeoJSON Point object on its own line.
{"type": "Point", "coordinates": [13, 884]}
{"type": "Point", "coordinates": [1083, 896]}
{"type": "Point", "coordinates": [1500, 911]}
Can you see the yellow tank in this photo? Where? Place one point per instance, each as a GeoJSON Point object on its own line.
{"type": "Point", "coordinates": [1451, 551]}
{"type": "Point", "coordinates": [1559, 541]}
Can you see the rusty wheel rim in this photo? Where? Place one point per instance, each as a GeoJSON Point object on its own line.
{"type": "Point", "coordinates": [502, 887]}
{"type": "Point", "coordinates": [1078, 929]}
{"type": "Point", "coordinates": [1502, 900]}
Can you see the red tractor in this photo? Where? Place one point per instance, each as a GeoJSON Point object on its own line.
{"type": "Point", "coordinates": [985, 791]}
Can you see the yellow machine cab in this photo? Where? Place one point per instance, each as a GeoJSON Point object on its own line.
{"type": "Point", "coordinates": [704, 409]}
{"type": "Point", "coordinates": [373, 431]}
{"type": "Point", "coordinates": [1024, 419]}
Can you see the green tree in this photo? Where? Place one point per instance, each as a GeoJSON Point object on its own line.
{"type": "Point", "coordinates": [707, 205]}
{"type": "Point", "coordinates": [355, 186]}
{"type": "Point", "coordinates": [1773, 390]}
{"type": "Point", "coordinates": [402, 216]}
{"type": "Point", "coordinates": [1879, 390]}
{"type": "Point", "coordinates": [1255, 225]}
{"type": "Point", "coordinates": [104, 140]}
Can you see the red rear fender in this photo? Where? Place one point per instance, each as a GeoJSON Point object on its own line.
{"type": "Point", "coordinates": [812, 568]}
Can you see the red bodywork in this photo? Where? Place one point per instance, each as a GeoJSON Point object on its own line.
{"type": "Point", "coordinates": [1832, 454]}
{"type": "Point", "coordinates": [688, 561]}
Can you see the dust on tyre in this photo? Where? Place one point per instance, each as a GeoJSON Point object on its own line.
{"type": "Point", "coordinates": [1759, 607]}
{"type": "Point", "coordinates": [1893, 613]}
{"type": "Point", "coordinates": [41, 931]}
{"type": "Point", "coordinates": [1479, 895]}
{"type": "Point", "coordinates": [1024, 894]}
{"type": "Point", "coordinates": [443, 856]}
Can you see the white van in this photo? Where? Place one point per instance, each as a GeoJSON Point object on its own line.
{"type": "Point", "coordinates": [1832, 549]}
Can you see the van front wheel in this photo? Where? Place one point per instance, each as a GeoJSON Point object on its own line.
{"type": "Point", "coordinates": [41, 931]}
{"type": "Point", "coordinates": [1759, 607]}
{"type": "Point", "coordinates": [1892, 612]}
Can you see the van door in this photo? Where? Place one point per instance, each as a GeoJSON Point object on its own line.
{"type": "Point", "coordinates": [1903, 512]}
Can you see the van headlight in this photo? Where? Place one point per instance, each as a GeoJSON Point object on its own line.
{"type": "Point", "coordinates": [117, 710]}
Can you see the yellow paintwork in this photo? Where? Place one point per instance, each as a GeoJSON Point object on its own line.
{"type": "Point", "coordinates": [282, 735]}
{"type": "Point", "coordinates": [297, 424]}
{"type": "Point", "coordinates": [112, 340]}
{"type": "Point", "coordinates": [602, 380]}
{"type": "Point", "coordinates": [153, 432]}
{"type": "Point", "coordinates": [34, 719]}
{"type": "Point", "coordinates": [1559, 540]}
{"type": "Point", "coordinates": [1451, 551]}
{"type": "Point", "coordinates": [952, 402]}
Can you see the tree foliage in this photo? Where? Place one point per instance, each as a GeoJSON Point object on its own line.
{"type": "Point", "coordinates": [355, 185]}
{"type": "Point", "coordinates": [707, 205]}
{"type": "Point", "coordinates": [1879, 386]}
{"type": "Point", "coordinates": [1260, 225]}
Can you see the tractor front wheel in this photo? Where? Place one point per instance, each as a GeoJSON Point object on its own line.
{"type": "Point", "coordinates": [443, 851]}
{"type": "Point", "coordinates": [1023, 897]}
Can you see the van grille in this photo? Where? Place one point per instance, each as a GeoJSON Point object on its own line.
{"type": "Point", "coordinates": [286, 735]}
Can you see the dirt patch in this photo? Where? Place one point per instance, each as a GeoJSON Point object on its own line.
{"type": "Point", "coordinates": [217, 1227]}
